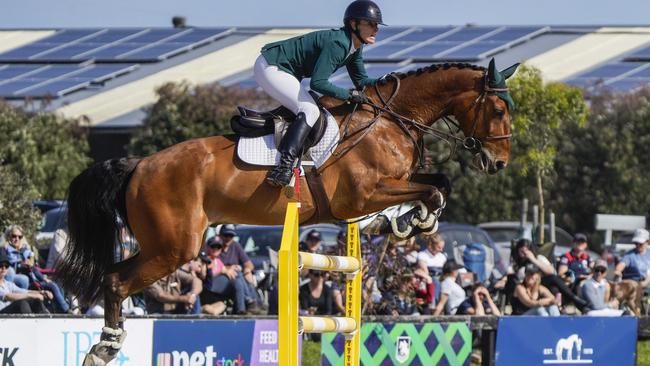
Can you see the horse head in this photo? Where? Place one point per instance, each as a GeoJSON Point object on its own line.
{"type": "Point", "coordinates": [484, 117]}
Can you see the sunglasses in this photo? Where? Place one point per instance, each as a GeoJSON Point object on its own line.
{"type": "Point", "coordinates": [4, 265]}
{"type": "Point", "coordinates": [600, 270]}
{"type": "Point", "coordinates": [16, 236]}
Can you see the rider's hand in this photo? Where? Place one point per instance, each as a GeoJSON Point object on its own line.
{"type": "Point", "coordinates": [357, 96]}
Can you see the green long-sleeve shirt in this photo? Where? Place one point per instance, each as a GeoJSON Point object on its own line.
{"type": "Point", "coordinates": [318, 55]}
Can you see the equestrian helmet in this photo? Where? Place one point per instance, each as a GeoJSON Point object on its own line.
{"type": "Point", "coordinates": [363, 9]}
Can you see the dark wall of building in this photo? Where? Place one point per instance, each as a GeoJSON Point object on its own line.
{"type": "Point", "coordinates": [108, 143]}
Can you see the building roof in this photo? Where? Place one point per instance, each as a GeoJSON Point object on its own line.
{"type": "Point", "coordinates": [110, 75]}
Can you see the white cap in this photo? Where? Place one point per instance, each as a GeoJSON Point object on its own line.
{"type": "Point", "coordinates": [640, 236]}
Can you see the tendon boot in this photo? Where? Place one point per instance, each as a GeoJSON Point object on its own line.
{"type": "Point", "coordinates": [290, 150]}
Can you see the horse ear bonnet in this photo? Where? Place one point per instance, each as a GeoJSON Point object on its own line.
{"type": "Point", "coordinates": [497, 80]}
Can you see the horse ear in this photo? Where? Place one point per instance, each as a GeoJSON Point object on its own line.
{"type": "Point", "coordinates": [492, 71]}
{"type": "Point", "coordinates": [509, 71]}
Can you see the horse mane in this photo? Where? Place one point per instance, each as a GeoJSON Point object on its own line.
{"type": "Point", "coordinates": [434, 68]}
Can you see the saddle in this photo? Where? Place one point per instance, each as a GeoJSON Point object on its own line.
{"type": "Point", "coordinates": [253, 123]}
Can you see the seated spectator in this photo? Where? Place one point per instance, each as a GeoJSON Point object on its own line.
{"type": "Point", "coordinates": [312, 243]}
{"type": "Point", "coordinates": [432, 258]}
{"type": "Point", "coordinates": [337, 283]}
{"type": "Point", "coordinates": [425, 291]}
{"type": "Point", "coordinates": [316, 296]}
{"type": "Point", "coordinates": [210, 303]}
{"type": "Point", "coordinates": [401, 300]}
{"type": "Point", "coordinates": [15, 300]}
{"type": "Point", "coordinates": [56, 248]}
{"type": "Point", "coordinates": [635, 264]}
{"type": "Point", "coordinates": [236, 277]}
{"type": "Point", "coordinates": [531, 297]}
{"type": "Point", "coordinates": [575, 265]}
{"type": "Point", "coordinates": [177, 293]}
{"type": "Point", "coordinates": [480, 303]}
{"type": "Point", "coordinates": [14, 243]}
{"type": "Point", "coordinates": [597, 292]}
{"type": "Point", "coordinates": [451, 294]}
{"type": "Point", "coordinates": [524, 255]}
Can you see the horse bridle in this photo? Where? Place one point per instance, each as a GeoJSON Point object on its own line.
{"type": "Point", "coordinates": [471, 143]}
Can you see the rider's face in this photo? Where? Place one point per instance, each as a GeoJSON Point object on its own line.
{"type": "Point", "coordinates": [368, 31]}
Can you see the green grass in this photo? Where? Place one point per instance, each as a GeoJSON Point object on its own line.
{"type": "Point", "coordinates": [310, 353]}
{"type": "Point", "coordinates": [643, 353]}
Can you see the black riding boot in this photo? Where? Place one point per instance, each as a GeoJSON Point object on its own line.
{"type": "Point", "coordinates": [290, 150]}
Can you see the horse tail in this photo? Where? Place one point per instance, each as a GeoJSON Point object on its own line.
{"type": "Point", "coordinates": [95, 199]}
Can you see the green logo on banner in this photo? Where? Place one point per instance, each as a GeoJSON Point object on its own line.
{"type": "Point", "coordinates": [405, 344]}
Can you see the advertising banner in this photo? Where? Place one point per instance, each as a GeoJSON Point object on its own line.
{"type": "Point", "coordinates": [65, 342]}
{"type": "Point", "coordinates": [538, 341]}
{"type": "Point", "coordinates": [405, 344]}
{"type": "Point", "coordinates": [215, 343]}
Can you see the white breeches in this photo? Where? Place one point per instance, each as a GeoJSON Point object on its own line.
{"type": "Point", "coordinates": [286, 89]}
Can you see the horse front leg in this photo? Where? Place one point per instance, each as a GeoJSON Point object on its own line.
{"type": "Point", "coordinates": [422, 218]}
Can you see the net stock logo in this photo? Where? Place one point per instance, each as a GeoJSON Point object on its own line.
{"type": "Point", "coordinates": [198, 358]}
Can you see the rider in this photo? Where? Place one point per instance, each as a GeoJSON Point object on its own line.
{"type": "Point", "coordinates": [317, 55]}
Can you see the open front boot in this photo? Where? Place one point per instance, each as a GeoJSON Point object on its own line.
{"type": "Point", "coordinates": [290, 150]}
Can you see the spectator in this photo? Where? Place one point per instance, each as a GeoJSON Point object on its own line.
{"type": "Point", "coordinates": [451, 294]}
{"type": "Point", "coordinates": [15, 300]}
{"type": "Point", "coordinates": [432, 258]}
{"type": "Point", "coordinates": [531, 297]}
{"type": "Point", "coordinates": [424, 291]}
{"type": "Point", "coordinates": [480, 303]}
{"type": "Point", "coordinates": [316, 296]}
{"type": "Point", "coordinates": [210, 303]}
{"type": "Point", "coordinates": [401, 300]}
{"type": "Point", "coordinates": [176, 293]}
{"type": "Point", "coordinates": [236, 277]}
{"type": "Point", "coordinates": [575, 265]}
{"type": "Point", "coordinates": [596, 291]}
{"type": "Point", "coordinates": [635, 264]}
{"type": "Point", "coordinates": [56, 248]}
{"type": "Point", "coordinates": [312, 243]}
{"type": "Point", "coordinates": [524, 255]}
{"type": "Point", "coordinates": [14, 244]}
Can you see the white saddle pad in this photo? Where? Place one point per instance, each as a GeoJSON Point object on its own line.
{"type": "Point", "coordinates": [261, 150]}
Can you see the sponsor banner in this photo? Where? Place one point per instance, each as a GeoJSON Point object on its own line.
{"type": "Point", "coordinates": [539, 341]}
{"type": "Point", "coordinates": [65, 342]}
{"type": "Point", "coordinates": [405, 344]}
{"type": "Point", "coordinates": [215, 343]}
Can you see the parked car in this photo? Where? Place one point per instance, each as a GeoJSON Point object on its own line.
{"type": "Point", "coordinates": [257, 239]}
{"type": "Point", "coordinates": [503, 232]}
{"type": "Point", "coordinates": [53, 219]}
{"type": "Point", "coordinates": [458, 236]}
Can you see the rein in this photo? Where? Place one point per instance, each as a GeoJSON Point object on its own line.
{"type": "Point", "coordinates": [470, 143]}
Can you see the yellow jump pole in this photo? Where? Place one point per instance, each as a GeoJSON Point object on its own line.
{"type": "Point", "coordinates": [288, 289]}
{"type": "Point", "coordinates": [353, 299]}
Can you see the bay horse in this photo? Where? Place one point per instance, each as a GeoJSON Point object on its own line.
{"type": "Point", "coordinates": [168, 199]}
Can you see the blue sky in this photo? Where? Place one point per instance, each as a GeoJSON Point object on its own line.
{"type": "Point", "coordinates": [114, 13]}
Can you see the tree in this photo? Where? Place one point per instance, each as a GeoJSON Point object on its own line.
{"type": "Point", "coordinates": [16, 196]}
{"type": "Point", "coordinates": [45, 148]}
{"type": "Point", "coordinates": [184, 112]}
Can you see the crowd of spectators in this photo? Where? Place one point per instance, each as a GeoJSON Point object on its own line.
{"type": "Point", "coordinates": [412, 277]}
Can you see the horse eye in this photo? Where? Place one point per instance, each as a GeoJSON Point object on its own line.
{"type": "Point", "coordinates": [499, 112]}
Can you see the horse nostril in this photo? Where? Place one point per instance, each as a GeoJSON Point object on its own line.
{"type": "Point", "coordinates": [500, 164]}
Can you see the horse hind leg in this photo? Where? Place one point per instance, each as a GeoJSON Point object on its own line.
{"type": "Point", "coordinates": [113, 333]}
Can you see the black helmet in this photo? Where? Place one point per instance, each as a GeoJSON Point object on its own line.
{"type": "Point", "coordinates": [363, 9]}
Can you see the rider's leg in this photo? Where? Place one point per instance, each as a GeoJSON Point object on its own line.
{"type": "Point", "coordinates": [287, 90]}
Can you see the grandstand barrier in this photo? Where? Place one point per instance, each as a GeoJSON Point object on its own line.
{"type": "Point", "coordinates": [290, 325]}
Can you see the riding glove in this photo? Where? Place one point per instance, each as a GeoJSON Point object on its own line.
{"type": "Point", "coordinates": [357, 96]}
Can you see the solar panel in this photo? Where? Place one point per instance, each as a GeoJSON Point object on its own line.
{"type": "Point", "coordinates": [115, 35]}
{"type": "Point", "coordinates": [12, 71]}
{"type": "Point", "coordinates": [640, 55]}
{"type": "Point", "coordinates": [473, 51]}
{"type": "Point", "coordinates": [55, 71]}
{"type": "Point", "coordinates": [69, 35]}
{"type": "Point", "coordinates": [201, 35]}
{"type": "Point", "coordinates": [25, 52]}
{"type": "Point", "coordinates": [385, 50]}
{"type": "Point", "coordinates": [642, 73]}
{"type": "Point", "coordinates": [610, 70]}
{"type": "Point", "coordinates": [514, 33]}
{"type": "Point", "coordinates": [628, 84]}
{"type": "Point", "coordinates": [387, 32]}
{"type": "Point", "coordinates": [101, 73]}
{"type": "Point", "coordinates": [424, 34]}
{"type": "Point", "coordinates": [67, 52]}
{"type": "Point", "coordinates": [468, 34]}
{"type": "Point", "coordinates": [111, 53]}
{"type": "Point", "coordinates": [428, 51]}
{"type": "Point", "coordinates": [157, 52]}
{"type": "Point", "coordinates": [157, 35]}
{"type": "Point", "coordinates": [8, 89]}
{"type": "Point", "coordinates": [54, 88]}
